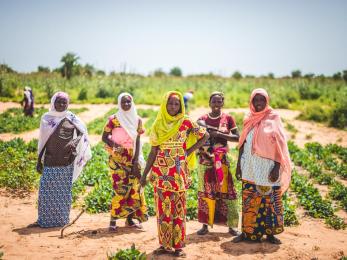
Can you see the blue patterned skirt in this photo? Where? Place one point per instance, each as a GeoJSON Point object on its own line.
{"type": "Point", "coordinates": [55, 196]}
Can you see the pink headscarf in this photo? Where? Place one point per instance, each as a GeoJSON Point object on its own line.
{"type": "Point", "coordinates": [269, 139]}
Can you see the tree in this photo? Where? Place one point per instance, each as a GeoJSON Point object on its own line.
{"type": "Point", "coordinates": [159, 73]}
{"type": "Point", "coordinates": [344, 75]}
{"type": "Point", "coordinates": [176, 71]}
{"type": "Point", "coordinates": [270, 75]}
{"type": "Point", "coordinates": [100, 73]}
{"type": "Point", "coordinates": [70, 61]}
{"type": "Point", "coordinates": [337, 76]}
{"type": "Point", "coordinates": [89, 70]}
{"type": "Point", "coordinates": [296, 74]}
{"type": "Point", "coordinates": [7, 69]}
{"type": "Point", "coordinates": [237, 75]}
{"type": "Point", "coordinates": [43, 69]}
{"type": "Point", "coordinates": [309, 75]}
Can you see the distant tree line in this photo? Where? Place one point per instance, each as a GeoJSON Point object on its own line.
{"type": "Point", "coordinates": [71, 67]}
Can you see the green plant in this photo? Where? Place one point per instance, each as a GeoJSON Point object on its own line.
{"type": "Point", "coordinates": [83, 95]}
{"type": "Point", "coordinates": [14, 121]}
{"type": "Point", "coordinates": [127, 254]}
{"type": "Point", "coordinates": [18, 165]}
{"type": "Point", "coordinates": [336, 222]}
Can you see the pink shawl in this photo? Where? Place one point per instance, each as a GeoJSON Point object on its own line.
{"type": "Point", "coordinates": [269, 139]}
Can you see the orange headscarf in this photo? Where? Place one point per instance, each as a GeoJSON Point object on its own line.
{"type": "Point", "coordinates": [269, 139]}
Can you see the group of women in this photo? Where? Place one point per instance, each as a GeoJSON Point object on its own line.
{"type": "Point", "coordinates": [178, 146]}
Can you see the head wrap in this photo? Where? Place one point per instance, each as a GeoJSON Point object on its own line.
{"type": "Point", "coordinates": [28, 95]}
{"type": "Point", "coordinates": [129, 121]}
{"type": "Point", "coordinates": [166, 126]}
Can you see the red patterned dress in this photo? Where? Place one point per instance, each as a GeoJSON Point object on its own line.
{"type": "Point", "coordinates": [217, 202]}
{"type": "Point", "coordinates": [127, 199]}
{"type": "Point", "coordinates": [170, 178]}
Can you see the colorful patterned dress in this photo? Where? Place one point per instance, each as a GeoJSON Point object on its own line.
{"type": "Point", "coordinates": [262, 209]}
{"type": "Point", "coordinates": [170, 178]}
{"type": "Point", "coordinates": [127, 199]}
{"type": "Point", "coordinates": [217, 202]}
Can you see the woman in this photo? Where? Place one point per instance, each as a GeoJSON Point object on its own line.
{"type": "Point", "coordinates": [174, 139]}
{"type": "Point", "coordinates": [216, 192]}
{"type": "Point", "coordinates": [28, 102]}
{"type": "Point", "coordinates": [122, 138]}
{"type": "Point", "coordinates": [63, 151]}
{"type": "Point", "coordinates": [265, 169]}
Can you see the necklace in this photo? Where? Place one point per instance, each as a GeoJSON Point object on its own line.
{"type": "Point", "coordinates": [211, 117]}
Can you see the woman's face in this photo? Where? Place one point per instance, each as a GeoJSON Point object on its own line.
{"type": "Point", "coordinates": [125, 103]}
{"type": "Point", "coordinates": [173, 106]}
{"type": "Point", "coordinates": [60, 104]}
{"type": "Point", "coordinates": [259, 102]}
{"type": "Point", "coordinates": [216, 103]}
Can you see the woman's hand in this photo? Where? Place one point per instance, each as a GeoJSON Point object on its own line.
{"type": "Point", "coordinates": [143, 180]}
{"type": "Point", "coordinates": [238, 172]}
{"type": "Point", "coordinates": [275, 173]}
{"type": "Point", "coordinates": [135, 170]}
{"type": "Point", "coordinates": [39, 167]}
{"type": "Point", "coordinates": [213, 133]}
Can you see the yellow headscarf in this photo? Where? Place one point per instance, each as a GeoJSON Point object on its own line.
{"type": "Point", "coordinates": [166, 126]}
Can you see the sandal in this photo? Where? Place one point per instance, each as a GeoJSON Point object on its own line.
{"type": "Point", "coordinates": [180, 253]}
{"type": "Point", "coordinates": [112, 227]}
{"type": "Point", "coordinates": [202, 231]}
{"type": "Point", "coordinates": [234, 232]}
{"type": "Point", "coordinates": [273, 240]}
{"type": "Point", "coordinates": [160, 250]}
{"type": "Point", "coordinates": [135, 225]}
{"type": "Point", "coordinates": [33, 225]}
{"type": "Point", "coordinates": [238, 238]}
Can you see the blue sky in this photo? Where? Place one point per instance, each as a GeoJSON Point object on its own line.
{"type": "Point", "coordinates": [254, 37]}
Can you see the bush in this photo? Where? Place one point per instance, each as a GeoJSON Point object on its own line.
{"type": "Point", "coordinates": [83, 95]}
{"type": "Point", "coordinates": [309, 92]}
{"type": "Point", "coordinates": [316, 113]}
{"type": "Point", "coordinates": [339, 115]}
{"type": "Point", "coordinates": [103, 92]}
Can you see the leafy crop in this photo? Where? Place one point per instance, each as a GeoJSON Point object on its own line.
{"type": "Point", "coordinates": [310, 198]}
{"type": "Point", "coordinates": [18, 165]}
{"type": "Point", "coordinates": [14, 121]}
{"type": "Point", "coordinates": [127, 254]}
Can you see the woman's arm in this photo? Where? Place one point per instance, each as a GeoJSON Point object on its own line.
{"type": "Point", "coordinates": [198, 144]}
{"type": "Point", "coordinates": [275, 172]}
{"type": "Point", "coordinates": [151, 158]}
{"type": "Point", "coordinates": [39, 165]}
{"type": "Point", "coordinates": [232, 137]}
{"type": "Point", "coordinates": [238, 167]}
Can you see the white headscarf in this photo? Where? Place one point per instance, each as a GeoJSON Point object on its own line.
{"type": "Point", "coordinates": [50, 121]}
{"type": "Point", "coordinates": [129, 120]}
{"type": "Point", "coordinates": [27, 93]}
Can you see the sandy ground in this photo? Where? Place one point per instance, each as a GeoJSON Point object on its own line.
{"type": "Point", "coordinates": [89, 238]}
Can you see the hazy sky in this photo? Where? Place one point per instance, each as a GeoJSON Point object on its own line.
{"type": "Point", "coordinates": [254, 37]}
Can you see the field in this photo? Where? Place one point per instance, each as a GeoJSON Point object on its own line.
{"type": "Point", "coordinates": [315, 205]}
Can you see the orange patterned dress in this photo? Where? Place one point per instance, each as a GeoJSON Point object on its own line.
{"type": "Point", "coordinates": [127, 198]}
